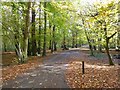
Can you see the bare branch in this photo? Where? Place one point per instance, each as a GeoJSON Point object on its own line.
{"type": "Point", "coordinates": [112, 35]}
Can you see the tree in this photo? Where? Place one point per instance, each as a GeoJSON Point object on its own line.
{"type": "Point", "coordinates": [39, 41]}
{"type": "Point", "coordinates": [105, 16]}
{"type": "Point", "coordinates": [54, 42]}
{"type": "Point", "coordinates": [88, 39]}
{"type": "Point", "coordinates": [45, 25]}
{"type": "Point", "coordinates": [34, 46]}
{"type": "Point", "coordinates": [26, 35]}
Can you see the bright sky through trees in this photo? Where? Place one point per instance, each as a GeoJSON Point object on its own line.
{"type": "Point", "coordinates": [95, 1]}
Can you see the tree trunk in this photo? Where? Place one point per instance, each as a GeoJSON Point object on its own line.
{"type": "Point", "coordinates": [108, 53]}
{"type": "Point", "coordinates": [34, 47]}
{"type": "Point", "coordinates": [29, 47]}
{"type": "Point", "coordinates": [54, 43]}
{"type": "Point", "coordinates": [76, 41]}
{"type": "Point", "coordinates": [50, 42]}
{"type": "Point", "coordinates": [17, 44]}
{"type": "Point", "coordinates": [90, 45]}
{"type": "Point", "coordinates": [5, 47]}
{"type": "Point", "coordinates": [55, 46]}
{"type": "Point", "coordinates": [64, 41]}
{"type": "Point", "coordinates": [44, 43]}
{"type": "Point", "coordinates": [99, 46]}
{"type": "Point", "coordinates": [94, 46]}
{"type": "Point", "coordinates": [107, 46]}
{"type": "Point", "coordinates": [52, 47]}
{"type": "Point", "coordinates": [118, 40]}
{"type": "Point", "coordinates": [18, 51]}
{"type": "Point", "coordinates": [73, 40]}
{"type": "Point", "coordinates": [26, 31]}
{"type": "Point", "coordinates": [39, 41]}
{"type": "Point", "coordinates": [118, 29]}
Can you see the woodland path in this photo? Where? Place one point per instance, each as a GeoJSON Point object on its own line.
{"type": "Point", "coordinates": [51, 74]}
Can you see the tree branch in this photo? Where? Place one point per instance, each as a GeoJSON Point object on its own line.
{"type": "Point", "coordinates": [112, 35]}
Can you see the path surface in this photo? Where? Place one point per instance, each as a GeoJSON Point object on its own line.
{"type": "Point", "coordinates": [51, 74]}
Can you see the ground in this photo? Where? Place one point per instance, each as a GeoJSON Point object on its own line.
{"type": "Point", "coordinates": [62, 70]}
{"type": "Point", "coordinates": [98, 74]}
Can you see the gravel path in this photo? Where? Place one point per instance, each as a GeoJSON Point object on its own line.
{"type": "Point", "coordinates": [51, 74]}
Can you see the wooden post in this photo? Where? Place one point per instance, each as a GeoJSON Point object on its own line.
{"type": "Point", "coordinates": [83, 70]}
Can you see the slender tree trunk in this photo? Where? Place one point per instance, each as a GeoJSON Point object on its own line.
{"type": "Point", "coordinates": [90, 45]}
{"type": "Point", "coordinates": [108, 53]}
{"type": "Point", "coordinates": [99, 46]}
{"type": "Point", "coordinates": [50, 42]}
{"type": "Point", "coordinates": [39, 41]}
{"type": "Point", "coordinates": [44, 43]}
{"type": "Point", "coordinates": [54, 42]}
{"type": "Point", "coordinates": [107, 46]}
{"type": "Point", "coordinates": [26, 31]}
{"type": "Point", "coordinates": [55, 46]}
{"type": "Point", "coordinates": [118, 29]}
{"type": "Point", "coordinates": [76, 41]}
{"type": "Point", "coordinates": [29, 47]}
{"type": "Point", "coordinates": [68, 42]}
{"type": "Point", "coordinates": [73, 40]}
{"type": "Point", "coordinates": [118, 40]}
{"type": "Point", "coordinates": [5, 47]}
{"type": "Point", "coordinates": [18, 49]}
{"type": "Point", "coordinates": [94, 46]}
{"type": "Point", "coordinates": [34, 47]}
{"type": "Point", "coordinates": [52, 49]}
{"type": "Point", "coordinates": [64, 41]}
{"type": "Point", "coordinates": [91, 50]}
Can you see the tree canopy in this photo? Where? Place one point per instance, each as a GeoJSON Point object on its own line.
{"type": "Point", "coordinates": [32, 28]}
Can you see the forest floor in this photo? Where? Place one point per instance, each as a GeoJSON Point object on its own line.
{"type": "Point", "coordinates": [62, 70]}
{"type": "Point", "coordinates": [98, 73]}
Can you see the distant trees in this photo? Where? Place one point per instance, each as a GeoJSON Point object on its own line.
{"type": "Point", "coordinates": [100, 27]}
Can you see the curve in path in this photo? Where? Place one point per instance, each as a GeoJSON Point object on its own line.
{"type": "Point", "coordinates": [48, 75]}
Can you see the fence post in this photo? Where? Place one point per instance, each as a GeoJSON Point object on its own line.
{"type": "Point", "coordinates": [83, 69]}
